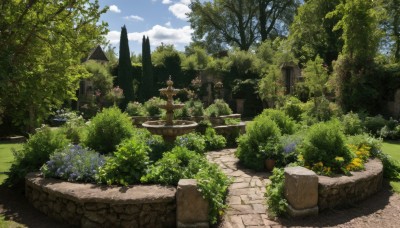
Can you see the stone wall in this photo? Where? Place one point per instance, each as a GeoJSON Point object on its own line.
{"type": "Point", "coordinates": [89, 205]}
{"type": "Point", "coordinates": [344, 190]}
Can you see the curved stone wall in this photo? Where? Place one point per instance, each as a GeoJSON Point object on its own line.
{"type": "Point", "coordinates": [345, 190]}
{"type": "Point", "coordinates": [89, 205]}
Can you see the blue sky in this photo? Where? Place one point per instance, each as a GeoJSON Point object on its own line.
{"type": "Point", "coordinates": [162, 20]}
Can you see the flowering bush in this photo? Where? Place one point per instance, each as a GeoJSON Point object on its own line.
{"type": "Point", "coordinates": [152, 106]}
{"type": "Point", "coordinates": [135, 109]}
{"type": "Point", "coordinates": [284, 122]}
{"type": "Point", "coordinates": [73, 163]}
{"type": "Point", "coordinates": [192, 141]}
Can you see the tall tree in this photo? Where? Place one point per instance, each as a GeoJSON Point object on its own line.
{"type": "Point", "coordinates": [240, 22]}
{"type": "Point", "coordinates": [147, 82]}
{"type": "Point", "coordinates": [392, 27]}
{"type": "Point", "coordinates": [42, 44]}
{"type": "Point", "coordinates": [125, 77]}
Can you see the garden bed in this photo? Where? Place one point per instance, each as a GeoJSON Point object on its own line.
{"type": "Point", "coordinates": [90, 205]}
{"type": "Point", "coordinates": [345, 190]}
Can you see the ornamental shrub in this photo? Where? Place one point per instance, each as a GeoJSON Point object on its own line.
{"type": "Point", "coordinates": [75, 129]}
{"type": "Point", "coordinates": [284, 122]}
{"type": "Point", "coordinates": [135, 109]}
{"type": "Point", "coordinates": [108, 129]}
{"type": "Point", "coordinates": [214, 141]}
{"type": "Point", "coordinates": [73, 163]}
{"type": "Point", "coordinates": [155, 142]}
{"type": "Point", "coordinates": [324, 148]}
{"type": "Point", "coordinates": [218, 108]}
{"type": "Point", "coordinates": [374, 124]}
{"type": "Point", "coordinates": [293, 108]}
{"type": "Point", "coordinates": [276, 201]}
{"type": "Point", "coordinates": [127, 165]}
{"type": "Point", "coordinates": [192, 141]}
{"type": "Point", "coordinates": [152, 108]}
{"type": "Point", "coordinates": [35, 152]}
{"type": "Point", "coordinates": [262, 133]}
{"type": "Point", "coordinates": [196, 108]}
{"type": "Point", "coordinates": [352, 124]}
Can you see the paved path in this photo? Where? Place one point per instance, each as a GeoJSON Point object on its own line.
{"type": "Point", "coordinates": [247, 206]}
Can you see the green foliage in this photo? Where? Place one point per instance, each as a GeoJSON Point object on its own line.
{"type": "Point", "coordinates": [101, 78]}
{"type": "Point", "coordinates": [352, 124]}
{"type": "Point", "coordinates": [108, 129]}
{"type": "Point", "coordinates": [293, 108]}
{"type": "Point", "coordinates": [374, 124]}
{"type": "Point", "coordinates": [152, 108]}
{"type": "Point", "coordinates": [75, 129]}
{"type": "Point", "coordinates": [271, 86]}
{"type": "Point", "coordinates": [73, 163]}
{"type": "Point", "coordinates": [40, 58]}
{"type": "Point", "coordinates": [197, 60]}
{"type": "Point", "coordinates": [35, 152]}
{"type": "Point", "coordinates": [155, 142]}
{"type": "Point", "coordinates": [316, 77]}
{"type": "Point", "coordinates": [127, 165]}
{"type": "Point", "coordinates": [375, 144]}
{"type": "Point", "coordinates": [135, 109]}
{"type": "Point", "coordinates": [218, 108]}
{"type": "Point", "coordinates": [276, 201]}
{"type": "Point", "coordinates": [284, 122]}
{"type": "Point", "coordinates": [262, 136]}
{"type": "Point", "coordinates": [146, 89]}
{"type": "Point", "coordinates": [231, 121]}
{"type": "Point", "coordinates": [325, 144]}
{"type": "Point", "coordinates": [195, 108]}
{"type": "Point", "coordinates": [192, 141]}
{"type": "Point", "coordinates": [214, 141]}
{"type": "Point", "coordinates": [319, 109]}
{"type": "Point", "coordinates": [124, 78]}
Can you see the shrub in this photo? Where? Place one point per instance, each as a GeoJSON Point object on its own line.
{"type": "Point", "coordinates": [324, 148]}
{"type": "Point", "coordinates": [202, 126]}
{"type": "Point", "coordinates": [320, 109]}
{"type": "Point", "coordinates": [231, 121]}
{"type": "Point", "coordinates": [152, 106]}
{"type": "Point", "coordinates": [290, 145]}
{"type": "Point", "coordinates": [73, 163]}
{"type": "Point", "coordinates": [184, 112]}
{"type": "Point", "coordinates": [218, 108]}
{"type": "Point", "coordinates": [127, 165]}
{"type": "Point", "coordinates": [262, 133]}
{"type": "Point", "coordinates": [155, 142]}
{"type": "Point", "coordinates": [192, 141]}
{"type": "Point", "coordinates": [135, 109]}
{"type": "Point", "coordinates": [214, 141]}
{"type": "Point", "coordinates": [374, 124]}
{"type": "Point", "coordinates": [276, 201]}
{"type": "Point", "coordinates": [107, 129]}
{"type": "Point", "coordinates": [196, 108]}
{"type": "Point", "coordinates": [284, 122]}
{"type": "Point", "coordinates": [365, 139]}
{"type": "Point", "coordinates": [35, 152]}
{"type": "Point", "coordinates": [352, 124]}
{"type": "Point", "coordinates": [75, 129]}
{"type": "Point", "coordinates": [293, 108]}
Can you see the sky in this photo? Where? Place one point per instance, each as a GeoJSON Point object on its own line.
{"type": "Point", "coordinates": [163, 21]}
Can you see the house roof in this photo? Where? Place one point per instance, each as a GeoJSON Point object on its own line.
{"type": "Point", "coordinates": [97, 54]}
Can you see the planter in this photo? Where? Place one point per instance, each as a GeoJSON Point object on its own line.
{"type": "Point", "coordinates": [269, 164]}
{"type": "Point", "coordinates": [138, 120]}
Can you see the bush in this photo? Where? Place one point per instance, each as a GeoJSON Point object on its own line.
{"type": "Point", "coordinates": [35, 152]}
{"type": "Point", "coordinates": [231, 121]}
{"type": "Point", "coordinates": [284, 122]}
{"type": "Point", "coordinates": [290, 145]}
{"type": "Point", "coordinates": [152, 106]}
{"type": "Point", "coordinates": [135, 109]}
{"type": "Point", "coordinates": [196, 108]}
{"type": "Point", "coordinates": [320, 109]}
{"type": "Point", "coordinates": [324, 148]}
{"type": "Point", "coordinates": [374, 124]}
{"type": "Point", "coordinates": [293, 108]}
{"type": "Point", "coordinates": [352, 124]}
{"type": "Point", "coordinates": [192, 141]}
{"type": "Point", "coordinates": [75, 129]}
{"type": "Point", "coordinates": [108, 129]}
{"type": "Point", "coordinates": [73, 163]}
{"type": "Point", "coordinates": [214, 141]}
{"type": "Point", "coordinates": [127, 165]}
{"type": "Point", "coordinates": [261, 134]}
{"type": "Point", "coordinates": [155, 142]}
{"type": "Point", "coordinates": [276, 201]}
{"type": "Point", "coordinates": [359, 140]}
{"type": "Point", "coordinates": [218, 108]}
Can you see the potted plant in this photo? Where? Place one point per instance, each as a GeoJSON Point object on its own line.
{"type": "Point", "coordinates": [271, 152]}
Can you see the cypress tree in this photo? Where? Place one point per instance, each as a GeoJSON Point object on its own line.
{"type": "Point", "coordinates": [125, 78]}
{"type": "Point", "coordinates": [147, 82]}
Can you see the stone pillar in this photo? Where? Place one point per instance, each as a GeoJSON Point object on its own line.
{"type": "Point", "coordinates": [191, 207]}
{"type": "Point", "coordinates": [301, 191]}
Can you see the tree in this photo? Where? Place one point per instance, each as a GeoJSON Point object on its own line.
{"type": "Point", "coordinates": [167, 61]}
{"type": "Point", "coordinates": [125, 78]}
{"type": "Point", "coordinates": [392, 27]}
{"type": "Point", "coordinates": [240, 23]}
{"type": "Point", "coordinates": [147, 82]}
{"type": "Point", "coordinates": [42, 43]}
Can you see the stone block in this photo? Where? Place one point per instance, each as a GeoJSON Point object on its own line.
{"type": "Point", "coordinates": [302, 212]}
{"type": "Point", "coordinates": [301, 187]}
{"type": "Point", "coordinates": [192, 208]}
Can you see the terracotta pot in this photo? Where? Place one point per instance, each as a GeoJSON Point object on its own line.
{"type": "Point", "coordinates": [269, 164]}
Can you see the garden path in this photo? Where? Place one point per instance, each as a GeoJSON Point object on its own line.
{"type": "Point", "coordinates": [246, 200]}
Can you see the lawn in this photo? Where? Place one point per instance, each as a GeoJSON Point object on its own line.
{"type": "Point", "coordinates": [392, 148]}
{"type": "Point", "coordinates": [6, 158]}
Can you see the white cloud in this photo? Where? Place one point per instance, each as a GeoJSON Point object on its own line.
{"type": "Point", "coordinates": [166, 2]}
{"type": "Point", "coordinates": [168, 24]}
{"type": "Point", "coordinates": [115, 9]}
{"type": "Point", "coordinates": [113, 36]}
{"type": "Point", "coordinates": [180, 10]}
{"type": "Point", "coordinates": [186, 2]}
{"type": "Point", "coordinates": [134, 18]}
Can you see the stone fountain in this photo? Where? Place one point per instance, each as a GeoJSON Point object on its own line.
{"type": "Point", "coordinates": [170, 128]}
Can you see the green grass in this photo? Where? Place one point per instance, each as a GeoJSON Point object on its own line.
{"type": "Point", "coordinates": [392, 148]}
{"type": "Point", "coordinates": [6, 158]}
{"type": "Point", "coordinates": [8, 223]}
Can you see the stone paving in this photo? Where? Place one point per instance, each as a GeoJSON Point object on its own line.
{"type": "Point", "coordinates": [247, 207]}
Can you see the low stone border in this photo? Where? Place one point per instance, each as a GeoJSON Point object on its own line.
{"type": "Point", "coordinates": [13, 139]}
{"type": "Point", "coordinates": [307, 193]}
{"type": "Point", "coordinates": [89, 205]}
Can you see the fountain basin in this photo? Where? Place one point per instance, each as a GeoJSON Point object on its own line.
{"type": "Point", "coordinates": [170, 132]}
